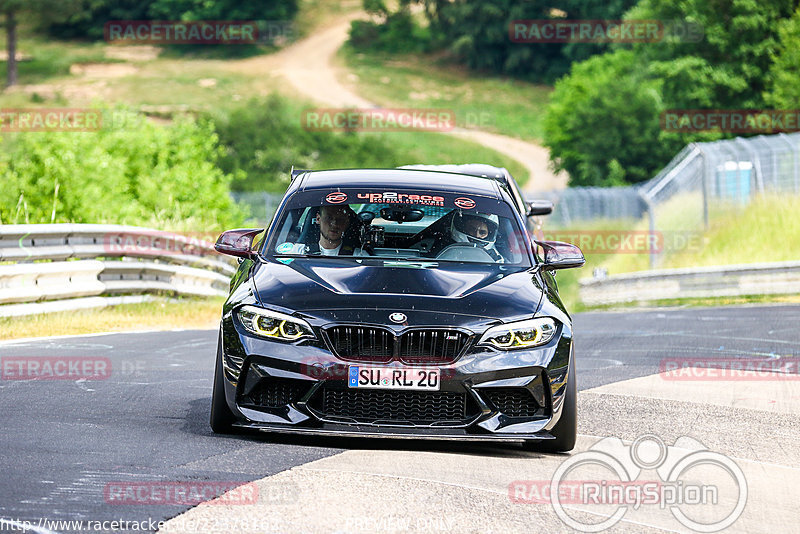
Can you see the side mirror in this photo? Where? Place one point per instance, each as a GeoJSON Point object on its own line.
{"type": "Point", "coordinates": [238, 243]}
{"type": "Point", "coordinates": [539, 207]}
{"type": "Point", "coordinates": [558, 255]}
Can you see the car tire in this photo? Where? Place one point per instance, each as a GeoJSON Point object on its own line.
{"type": "Point", "coordinates": [566, 430]}
{"type": "Point", "coordinates": [222, 417]}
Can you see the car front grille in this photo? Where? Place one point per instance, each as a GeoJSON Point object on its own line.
{"type": "Point", "coordinates": [431, 346]}
{"type": "Point", "coordinates": [390, 406]}
{"type": "Point", "coordinates": [276, 392]}
{"type": "Point", "coordinates": [378, 345]}
{"type": "Point", "coordinates": [362, 343]}
{"type": "Point", "coordinates": [513, 402]}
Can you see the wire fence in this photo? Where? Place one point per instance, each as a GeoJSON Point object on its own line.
{"type": "Point", "coordinates": [702, 180]}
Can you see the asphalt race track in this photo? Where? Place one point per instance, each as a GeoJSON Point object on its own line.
{"type": "Point", "coordinates": [65, 442]}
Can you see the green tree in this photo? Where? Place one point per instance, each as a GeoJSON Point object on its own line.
{"type": "Point", "coordinates": [477, 32]}
{"type": "Point", "coordinates": [608, 108]}
{"type": "Point", "coordinates": [725, 69]}
{"type": "Point", "coordinates": [11, 10]}
{"type": "Point", "coordinates": [390, 31]}
{"type": "Point", "coordinates": [783, 87]}
{"type": "Point", "coordinates": [88, 21]}
{"type": "Point", "coordinates": [274, 10]}
{"type": "Point", "coordinates": [602, 124]}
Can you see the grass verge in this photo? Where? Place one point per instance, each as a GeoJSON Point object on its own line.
{"type": "Point", "coordinates": [763, 231]}
{"type": "Point", "coordinates": [43, 59]}
{"type": "Point", "coordinates": [711, 302]}
{"type": "Point", "coordinates": [491, 103]}
{"type": "Point", "coordinates": [166, 85]}
{"type": "Point", "coordinates": [156, 315]}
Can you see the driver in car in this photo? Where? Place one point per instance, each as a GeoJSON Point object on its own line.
{"type": "Point", "coordinates": [478, 229]}
{"type": "Point", "coordinates": [334, 239]}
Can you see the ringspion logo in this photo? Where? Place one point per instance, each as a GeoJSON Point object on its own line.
{"type": "Point", "coordinates": [703, 490]}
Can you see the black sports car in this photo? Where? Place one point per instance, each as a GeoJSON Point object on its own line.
{"type": "Point", "coordinates": [398, 303]}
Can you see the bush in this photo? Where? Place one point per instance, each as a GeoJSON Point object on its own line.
{"type": "Point", "coordinates": [397, 34]}
{"type": "Point", "coordinates": [263, 138]}
{"type": "Point", "coordinates": [142, 174]}
{"type": "Point", "coordinates": [364, 34]}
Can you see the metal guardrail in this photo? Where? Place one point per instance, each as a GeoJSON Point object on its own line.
{"type": "Point", "coordinates": [59, 265]}
{"type": "Point", "coordinates": [695, 282]}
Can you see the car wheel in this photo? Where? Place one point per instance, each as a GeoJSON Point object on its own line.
{"type": "Point", "coordinates": [222, 418]}
{"type": "Point", "coordinates": [566, 430]}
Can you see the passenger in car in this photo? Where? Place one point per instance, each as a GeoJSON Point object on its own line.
{"type": "Point", "coordinates": [476, 229]}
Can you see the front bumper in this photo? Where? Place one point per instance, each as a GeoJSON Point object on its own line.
{"type": "Point", "coordinates": [485, 395]}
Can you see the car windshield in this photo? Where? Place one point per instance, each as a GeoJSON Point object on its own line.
{"type": "Point", "coordinates": [408, 225]}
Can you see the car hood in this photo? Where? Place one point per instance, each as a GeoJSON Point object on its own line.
{"type": "Point", "coordinates": [328, 287]}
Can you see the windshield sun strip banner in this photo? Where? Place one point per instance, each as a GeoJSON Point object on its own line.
{"type": "Point", "coordinates": [463, 201]}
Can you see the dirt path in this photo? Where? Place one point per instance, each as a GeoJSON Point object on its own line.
{"type": "Point", "coordinates": [309, 67]}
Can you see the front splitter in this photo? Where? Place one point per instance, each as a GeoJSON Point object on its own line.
{"type": "Point", "coordinates": [426, 433]}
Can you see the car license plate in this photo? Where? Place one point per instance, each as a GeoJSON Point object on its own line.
{"type": "Point", "coordinates": [393, 378]}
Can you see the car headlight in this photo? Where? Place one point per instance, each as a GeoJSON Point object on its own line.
{"type": "Point", "coordinates": [274, 325]}
{"type": "Point", "coordinates": [520, 335]}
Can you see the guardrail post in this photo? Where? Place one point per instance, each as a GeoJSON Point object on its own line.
{"type": "Point", "coordinates": [651, 217]}
{"type": "Point", "coordinates": [706, 177]}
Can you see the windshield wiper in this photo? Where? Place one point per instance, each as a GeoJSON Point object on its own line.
{"type": "Point", "coordinates": [409, 262]}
